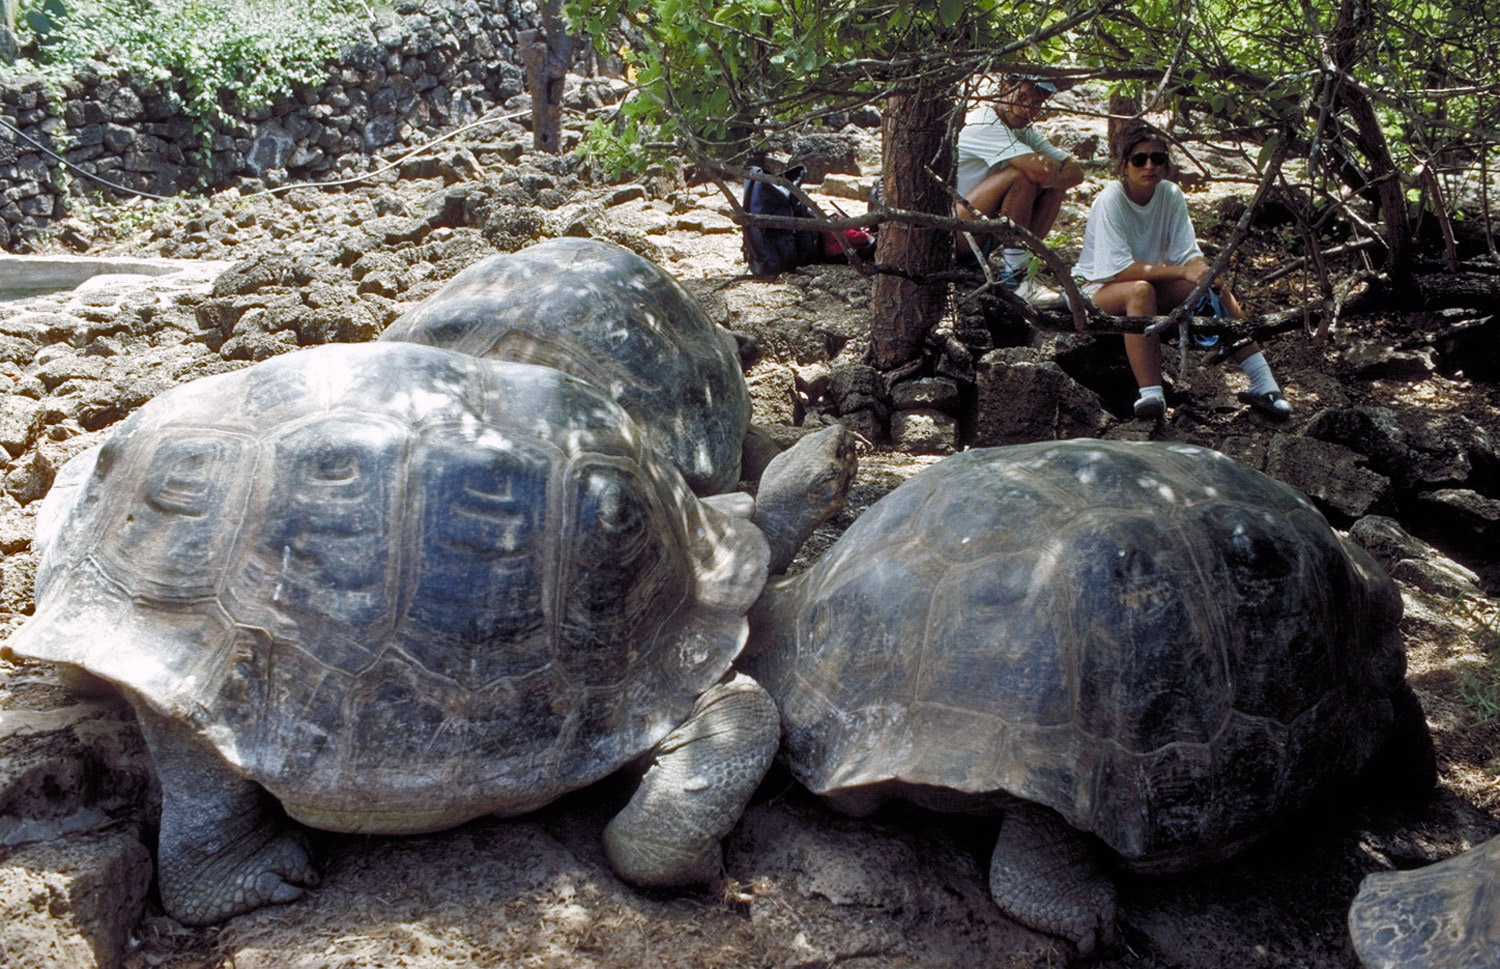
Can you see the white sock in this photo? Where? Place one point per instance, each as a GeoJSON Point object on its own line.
{"type": "Point", "coordinates": [1259, 372]}
{"type": "Point", "coordinates": [1015, 259]}
{"type": "Point", "coordinates": [1155, 390]}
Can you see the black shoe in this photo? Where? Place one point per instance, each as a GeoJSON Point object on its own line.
{"type": "Point", "coordinates": [1271, 403]}
{"type": "Point", "coordinates": [1150, 408]}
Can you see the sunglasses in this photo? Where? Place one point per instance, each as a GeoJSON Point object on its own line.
{"type": "Point", "coordinates": [1140, 158]}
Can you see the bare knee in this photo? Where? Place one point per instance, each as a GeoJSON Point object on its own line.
{"type": "Point", "coordinates": [1133, 297]}
{"type": "Point", "coordinates": [1140, 298]}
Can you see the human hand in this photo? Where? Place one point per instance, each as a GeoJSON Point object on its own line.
{"type": "Point", "coordinates": [1040, 170]}
{"type": "Point", "coordinates": [1194, 271]}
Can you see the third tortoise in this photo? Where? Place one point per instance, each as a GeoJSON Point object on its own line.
{"type": "Point", "coordinates": [1146, 645]}
{"type": "Point", "coordinates": [608, 316]}
{"type": "Point", "coordinates": [1442, 916]}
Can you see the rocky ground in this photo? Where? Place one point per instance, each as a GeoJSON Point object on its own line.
{"type": "Point", "coordinates": [1394, 436]}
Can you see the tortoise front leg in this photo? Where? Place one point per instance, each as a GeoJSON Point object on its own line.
{"type": "Point", "coordinates": [222, 849]}
{"type": "Point", "coordinates": [697, 788]}
{"type": "Point", "coordinates": [1044, 875]}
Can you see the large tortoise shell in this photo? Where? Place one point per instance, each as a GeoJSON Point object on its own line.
{"type": "Point", "coordinates": [1164, 646]}
{"type": "Point", "coordinates": [602, 313]}
{"type": "Point", "coordinates": [395, 583]}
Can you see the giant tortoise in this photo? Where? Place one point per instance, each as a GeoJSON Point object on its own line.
{"type": "Point", "coordinates": [1142, 644]}
{"type": "Point", "coordinates": [602, 313]}
{"type": "Point", "coordinates": [1443, 916]}
{"type": "Point", "coordinates": [398, 587]}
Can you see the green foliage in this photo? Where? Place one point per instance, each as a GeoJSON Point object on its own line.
{"type": "Point", "coordinates": [212, 54]}
{"type": "Point", "coordinates": [1482, 696]}
{"type": "Point", "coordinates": [1259, 65]}
{"type": "Point", "coordinates": [1479, 688]}
{"type": "Point", "coordinates": [718, 73]}
{"type": "Point", "coordinates": [43, 21]}
{"type": "Point", "coordinates": [615, 149]}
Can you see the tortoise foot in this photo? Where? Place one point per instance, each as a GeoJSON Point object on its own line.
{"type": "Point", "coordinates": [1044, 875]}
{"type": "Point", "coordinates": [206, 884]}
{"type": "Point", "coordinates": [694, 793]}
{"type": "Point", "coordinates": [225, 846]}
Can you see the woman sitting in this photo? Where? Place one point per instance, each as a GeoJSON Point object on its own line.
{"type": "Point", "coordinates": [1140, 258]}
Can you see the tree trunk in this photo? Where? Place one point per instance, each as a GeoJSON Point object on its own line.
{"type": "Point", "coordinates": [902, 311]}
{"type": "Point", "coordinates": [1122, 108]}
{"type": "Point", "coordinates": [1349, 42]}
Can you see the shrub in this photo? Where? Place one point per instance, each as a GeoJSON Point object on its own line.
{"type": "Point", "coordinates": [214, 55]}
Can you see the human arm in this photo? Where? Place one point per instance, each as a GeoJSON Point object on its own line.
{"type": "Point", "coordinates": [1047, 172]}
{"type": "Point", "coordinates": [1192, 271]}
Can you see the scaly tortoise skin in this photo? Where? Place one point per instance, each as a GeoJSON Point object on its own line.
{"type": "Point", "coordinates": [608, 316]}
{"type": "Point", "coordinates": [399, 587]}
{"type": "Point", "coordinates": [1145, 642]}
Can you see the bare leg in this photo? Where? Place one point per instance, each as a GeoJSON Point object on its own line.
{"type": "Point", "coordinates": [1044, 212]}
{"type": "Point", "coordinates": [1019, 201]}
{"type": "Point", "coordinates": [1144, 354]}
{"type": "Point", "coordinates": [989, 198]}
{"type": "Point", "coordinates": [1135, 298]}
{"type": "Point", "coordinates": [222, 849]}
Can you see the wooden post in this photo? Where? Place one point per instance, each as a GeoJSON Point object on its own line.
{"type": "Point", "coordinates": [546, 55]}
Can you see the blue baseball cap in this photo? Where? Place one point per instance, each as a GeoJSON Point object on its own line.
{"type": "Point", "coordinates": [1044, 83]}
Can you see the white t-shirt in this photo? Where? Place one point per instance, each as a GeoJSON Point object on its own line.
{"type": "Point", "coordinates": [1119, 232]}
{"type": "Point", "coordinates": [986, 143]}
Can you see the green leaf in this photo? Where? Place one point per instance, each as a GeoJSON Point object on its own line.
{"type": "Point", "coordinates": [1266, 151]}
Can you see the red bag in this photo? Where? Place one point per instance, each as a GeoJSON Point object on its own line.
{"type": "Point", "coordinates": [861, 241]}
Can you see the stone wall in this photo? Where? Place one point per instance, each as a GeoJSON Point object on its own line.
{"type": "Point", "coordinates": [425, 68]}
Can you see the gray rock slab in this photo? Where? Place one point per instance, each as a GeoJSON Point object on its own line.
{"type": "Point", "coordinates": [70, 902]}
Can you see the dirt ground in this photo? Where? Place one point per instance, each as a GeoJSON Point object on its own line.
{"type": "Point", "coordinates": [804, 886]}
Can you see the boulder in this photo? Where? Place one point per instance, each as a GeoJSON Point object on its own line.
{"type": "Point", "coordinates": [1384, 363]}
{"type": "Point", "coordinates": [924, 431]}
{"type": "Point", "coordinates": [926, 393]}
{"type": "Point", "coordinates": [1334, 476]}
{"type": "Point", "coordinates": [1413, 446]}
{"type": "Point", "coordinates": [856, 386]}
{"type": "Point", "coordinates": [1023, 397]}
{"type": "Point", "coordinates": [71, 902]}
{"type": "Point", "coordinates": [1411, 560]}
{"type": "Point", "coordinates": [1461, 518]}
{"type": "Point", "coordinates": [773, 395]}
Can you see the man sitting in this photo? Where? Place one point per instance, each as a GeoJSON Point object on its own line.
{"type": "Point", "coordinates": [1006, 167]}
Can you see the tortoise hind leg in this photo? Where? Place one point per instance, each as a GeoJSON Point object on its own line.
{"type": "Point", "coordinates": [1044, 875]}
{"type": "Point", "coordinates": [222, 849]}
{"type": "Point", "coordinates": [695, 792]}
{"type": "Point", "coordinates": [1403, 771]}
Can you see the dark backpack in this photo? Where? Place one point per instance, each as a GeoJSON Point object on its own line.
{"type": "Point", "coordinates": [773, 251]}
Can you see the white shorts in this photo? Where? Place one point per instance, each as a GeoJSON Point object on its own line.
{"type": "Point", "coordinates": [1088, 289]}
